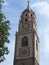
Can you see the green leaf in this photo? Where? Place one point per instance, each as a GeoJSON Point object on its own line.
{"type": "Point", "coordinates": [4, 34]}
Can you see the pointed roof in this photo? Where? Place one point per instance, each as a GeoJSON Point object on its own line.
{"type": "Point", "coordinates": [28, 9]}
{"type": "Point", "coordinates": [28, 5]}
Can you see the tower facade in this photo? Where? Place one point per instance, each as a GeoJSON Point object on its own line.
{"type": "Point", "coordinates": [27, 41]}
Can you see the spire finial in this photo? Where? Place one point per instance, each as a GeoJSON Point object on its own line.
{"type": "Point", "coordinates": [28, 4]}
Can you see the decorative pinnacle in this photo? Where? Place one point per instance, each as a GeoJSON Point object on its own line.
{"type": "Point", "coordinates": [28, 4]}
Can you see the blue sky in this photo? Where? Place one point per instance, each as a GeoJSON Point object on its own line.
{"type": "Point", "coordinates": [12, 10]}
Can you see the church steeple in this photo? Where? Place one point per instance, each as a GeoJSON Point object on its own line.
{"type": "Point", "coordinates": [26, 45]}
{"type": "Point", "coordinates": [28, 5]}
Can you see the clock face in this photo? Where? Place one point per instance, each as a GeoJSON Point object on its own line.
{"type": "Point", "coordinates": [23, 52]}
{"type": "Point", "coordinates": [26, 26]}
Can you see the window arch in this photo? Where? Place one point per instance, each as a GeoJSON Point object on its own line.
{"type": "Point", "coordinates": [36, 45]}
{"type": "Point", "coordinates": [24, 41]}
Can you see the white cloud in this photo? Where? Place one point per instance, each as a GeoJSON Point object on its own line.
{"type": "Point", "coordinates": [5, 3]}
{"type": "Point", "coordinates": [46, 41]}
{"type": "Point", "coordinates": [42, 8]}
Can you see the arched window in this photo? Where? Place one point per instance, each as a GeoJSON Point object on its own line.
{"type": "Point", "coordinates": [24, 41]}
{"type": "Point", "coordinates": [36, 45]}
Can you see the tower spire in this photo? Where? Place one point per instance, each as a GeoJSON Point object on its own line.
{"type": "Point", "coordinates": [28, 5]}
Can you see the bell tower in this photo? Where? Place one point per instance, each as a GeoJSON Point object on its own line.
{"type": "Point", "coordinates": [27, 41]}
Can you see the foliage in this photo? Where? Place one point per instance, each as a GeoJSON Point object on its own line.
{"type": "Point", "coordinates": [4, 33]}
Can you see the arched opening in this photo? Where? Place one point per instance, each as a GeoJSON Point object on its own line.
{"type": "Point", "coordinates": [36, 45]}
{"type": "Point", "coordinates": [24, 41]}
